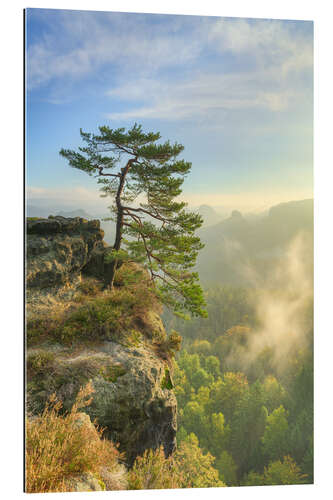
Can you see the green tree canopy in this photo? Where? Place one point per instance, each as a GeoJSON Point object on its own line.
{"type": "Point", "coordinates": [144, 177]}
{"type": "Point", "coordinates": [275, 438]}
{"type": "Point", "coordinates": [279, 472]}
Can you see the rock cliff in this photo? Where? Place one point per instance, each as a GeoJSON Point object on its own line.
{"type": "Point", "coordinates": [78, 333]}
{"type": "Point", "coordinates": [57, 248]}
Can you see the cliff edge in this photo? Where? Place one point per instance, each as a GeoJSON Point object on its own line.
{"type": "Point", "coordinates": [79, 332]}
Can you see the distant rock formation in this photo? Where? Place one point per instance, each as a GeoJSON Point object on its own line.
{"type": "Point", "coordinates": [209, 215]}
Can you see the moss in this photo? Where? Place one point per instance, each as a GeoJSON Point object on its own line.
{"type": "Point", "coordinates": [111, 373]}
{"type": "Point", "coordinates": [166, 381]}
{"type": "Point", "coordinates": [39, 361]}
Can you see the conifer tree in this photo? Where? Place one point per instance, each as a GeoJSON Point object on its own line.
{"type": "Point", "coordinates": [144, 178]}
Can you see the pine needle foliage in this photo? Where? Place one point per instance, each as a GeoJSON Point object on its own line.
{"type": "Point", "coordinates": [144, 178]}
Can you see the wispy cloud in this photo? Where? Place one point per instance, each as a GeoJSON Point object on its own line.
{"type": "Point", "coordinates": [92, 40]}
{"type": "Point", "coordinates": [77, 44]}
{"type": "Point", "coordinates": [202, 95]}
{"type": "Point", "coordinates": [270, 75]}
{"type": "Point", "coordinates": [270, 42]}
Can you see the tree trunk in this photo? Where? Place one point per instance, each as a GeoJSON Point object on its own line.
{"type": "Point", "coordinates": [116, 245]}
{"type": "Point", "coordinates": [120, 220]}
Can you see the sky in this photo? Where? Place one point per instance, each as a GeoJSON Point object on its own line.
{"type": "Point", "coordinates": [237, 93]}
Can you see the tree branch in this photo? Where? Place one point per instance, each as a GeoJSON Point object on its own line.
{"type": "Point", "coordinates": [100, 169]}
{"type": "Point", "coordinates": [148, 252]}
{"type": "Point", "coordinates": [155, 216]}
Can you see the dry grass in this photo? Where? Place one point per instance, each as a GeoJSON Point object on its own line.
{"type": "Point", "coordinates": [188, 467]}
{"type": "Point", "coordinates": [60, 447]}
{"type": "Point", "coordinates": [88, 314]}
{"type": "Point", "coordinates": [154, 471]}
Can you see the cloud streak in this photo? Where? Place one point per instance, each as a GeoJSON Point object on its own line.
{"type": "Point", "coordinates": [203, 95]}
{"type": "Point", "coordinates": [163, 61]}
{"type": "Point", "coordinates": [93, 40]}
{"type": "Point", "coordinates": [273, 81]}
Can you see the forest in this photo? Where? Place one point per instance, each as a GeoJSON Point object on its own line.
{"type": "Point", "coordinates": [254, 414]}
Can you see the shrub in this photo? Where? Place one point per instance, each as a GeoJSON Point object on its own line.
{"type": "Point", "coordinates": [58, 448]}
{"type": "Point", "coordinates": [187, 468]}
{"type": "Point", "coordinates": [130, 274]}
{"type": "Point", "coordinates": [166, 381]}
{"type": "Point", "coordinates": [169, 346]}
{"type": "Point", "coordinates": [153, 471]}
{"type": "Point", "coordinates": [90, 286]}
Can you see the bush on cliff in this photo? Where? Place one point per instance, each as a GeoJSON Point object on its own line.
{"type": "Point", "coordinates": [61, 448]}
{"type": "Point", "coordinates": [189, 467]}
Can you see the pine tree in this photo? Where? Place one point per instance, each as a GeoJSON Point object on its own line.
{"type": "Point", "coordinates": [132, 166]}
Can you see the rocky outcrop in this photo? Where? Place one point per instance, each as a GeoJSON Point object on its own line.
{"type": "Point", "coordinates": [133, 399]}
{"type": "Point", "coordinates": [59, 247]}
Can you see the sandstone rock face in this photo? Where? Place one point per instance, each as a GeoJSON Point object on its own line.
{"type": "Point", "coordinates": [131, 400]}
{"type": "Point", "coordinates": [58, 247]}
{"type": "Point", "coordinates": [133, 397]}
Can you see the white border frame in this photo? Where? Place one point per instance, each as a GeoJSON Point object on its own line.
{"type": "Point", "coordinates": [12, 232]}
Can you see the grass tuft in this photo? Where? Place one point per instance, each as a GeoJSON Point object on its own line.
{"type": "Point", "coordinates": [60, 448]}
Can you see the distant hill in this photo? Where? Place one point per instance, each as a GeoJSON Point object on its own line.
{"type": "Point", "coordinates": [231, 243]}
{"type": "Point", "coordinates": [209, 215]}
{"type": "Point", "coordinates": [34, 211]}
{"type": "Point", "coordinates": [44, 212]}
{"type": "Point", "coordinates": [79, 212]}
{"type": "Point", "coordinates": [237, 242]}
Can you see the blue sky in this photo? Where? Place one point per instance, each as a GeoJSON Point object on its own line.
{"type": "Point", "coordinates": [238, 94]}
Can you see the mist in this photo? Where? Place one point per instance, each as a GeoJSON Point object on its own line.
{"type": "Point", "coordinates": [283, 302]}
